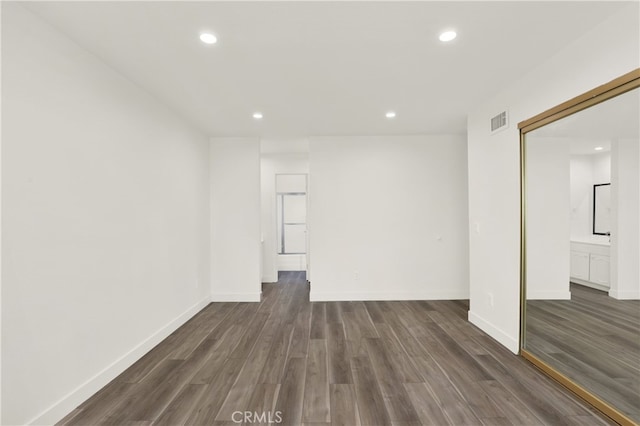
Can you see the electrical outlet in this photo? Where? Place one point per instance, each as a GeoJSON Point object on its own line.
{"type": "Point", "coordinates": [490, 299]}
{"type": "Point", "coordinates": [356, 275]}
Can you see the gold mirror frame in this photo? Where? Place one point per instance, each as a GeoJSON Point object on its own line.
{"type": "Point", "coordinates": [600, 94]}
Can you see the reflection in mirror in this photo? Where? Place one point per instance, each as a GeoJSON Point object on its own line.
{"type": "Point", "coordinates": [602, 209]}
{"type": "Point", "coordinates": [582, 313]}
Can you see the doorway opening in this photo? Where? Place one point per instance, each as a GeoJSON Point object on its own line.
{"type": "Point", "coordinates": [291, 222]}
{"type": "Point", "coordinates": [285, 196]}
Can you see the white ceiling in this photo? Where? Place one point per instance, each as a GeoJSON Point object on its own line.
{"type": "Point", "coordinates": [324, 68]}
{"type": "Point", "coordinates": [617, 118]}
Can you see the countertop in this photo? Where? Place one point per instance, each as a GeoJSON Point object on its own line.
{"type": "Point", "coordinates": [598, 240]}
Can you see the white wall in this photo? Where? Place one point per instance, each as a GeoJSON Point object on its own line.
{"type": "Point", "coordinates": [608, 51]}
{"type": "Point", "coordinates": [586, 171]}
{"type": "Point", "coordinates": [104, 220]}
{"type": "Point", "coordinates": [235, 219]}
{"type": "Point", "coordinates": [625, 201]}
{"type": "Point", "coordinates": [581, 172]}
{"type": "Point", "coordinates": [601, 168]}
{"type": "Point", "coordinates": [271, 164]}
{"type": "Point", "coordinates": [548, 228]}
{"type": "Point", "coordinates": [388, 218]}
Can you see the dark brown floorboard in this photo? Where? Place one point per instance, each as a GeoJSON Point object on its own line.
{"type": "Point", "coordinates": [333, 363]}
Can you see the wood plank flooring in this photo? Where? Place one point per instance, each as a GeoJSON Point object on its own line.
{"type": "Point", "coordinates": [593, 339]}
{"type": "Point", "coordinates": [334, 363]}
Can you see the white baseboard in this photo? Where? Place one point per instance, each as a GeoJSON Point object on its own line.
{"type": "Point", "coordinates": [548, 295]}
{"type": "Point", "coordinates": [236, 297]}
{"type": "Point", "coordinates": [69, 403]}
{"type": "Point", "coordinates": [624, 295]}
{"type": "Point", "coordinates": [500, 336]}
{"type": "Point", "coordinates": [315, 296]}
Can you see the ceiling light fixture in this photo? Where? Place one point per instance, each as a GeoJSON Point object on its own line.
{"type": "Point", "coordinates": [257, 115]}
{"type": "Point", "coordinates": [390, 114]}
{"type": "Point", "coordinates": [598, 148]}
{"type": "Point", "coordinates": [208, 38]}
{"type": "Point", "coordinates": [448, 36]}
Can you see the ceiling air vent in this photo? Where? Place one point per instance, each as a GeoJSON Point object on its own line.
{"type": "Point", "coordinates": [499, 122]}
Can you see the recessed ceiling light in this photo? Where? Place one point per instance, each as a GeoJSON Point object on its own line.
{"type": "Point", "coordinates": [448, 36]}
{"type": "Point", "coordinates": [208, 38]}
{"type": "Point", "coordinates": [257, 115]}
{"type": "Point", "coordinates": [390, 114]}
{"type": "Point", "coordinates": [598, 148]}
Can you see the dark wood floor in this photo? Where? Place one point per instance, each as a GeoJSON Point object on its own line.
{"type": "Point", "coordinates": [340, 363]}
{"type": "Point", "coordinates": [593, 339]}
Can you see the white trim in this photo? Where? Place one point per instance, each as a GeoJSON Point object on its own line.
{"type": "Point", "coordinates": [315, 296]}
{"type": "Point", "coordinates": [500, 336]}
{"type": "Point", "coordinates": [69, 402]}
{"type": "Point", "coordinates": [549, 295]}
{"type": "Point", "coordinates": [236, 297]}
{"type": "Point", "coordinates": [624, 295]}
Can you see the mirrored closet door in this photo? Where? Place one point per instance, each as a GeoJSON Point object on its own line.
{"type": "Point", "coordinates": [581, 246]}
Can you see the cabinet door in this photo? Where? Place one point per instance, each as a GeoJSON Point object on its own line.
{"type": "Point", "coordinates": [580, 265]}
{"type": "Point", "coordinates": [599, 269]}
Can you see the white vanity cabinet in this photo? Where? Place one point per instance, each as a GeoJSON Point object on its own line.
{"type": "Point", "coordinates": [599, 269]}
{"type": "Point", "coordinates": [590, 264]}
{"type": "Point", "coordinates": [580, 265]}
